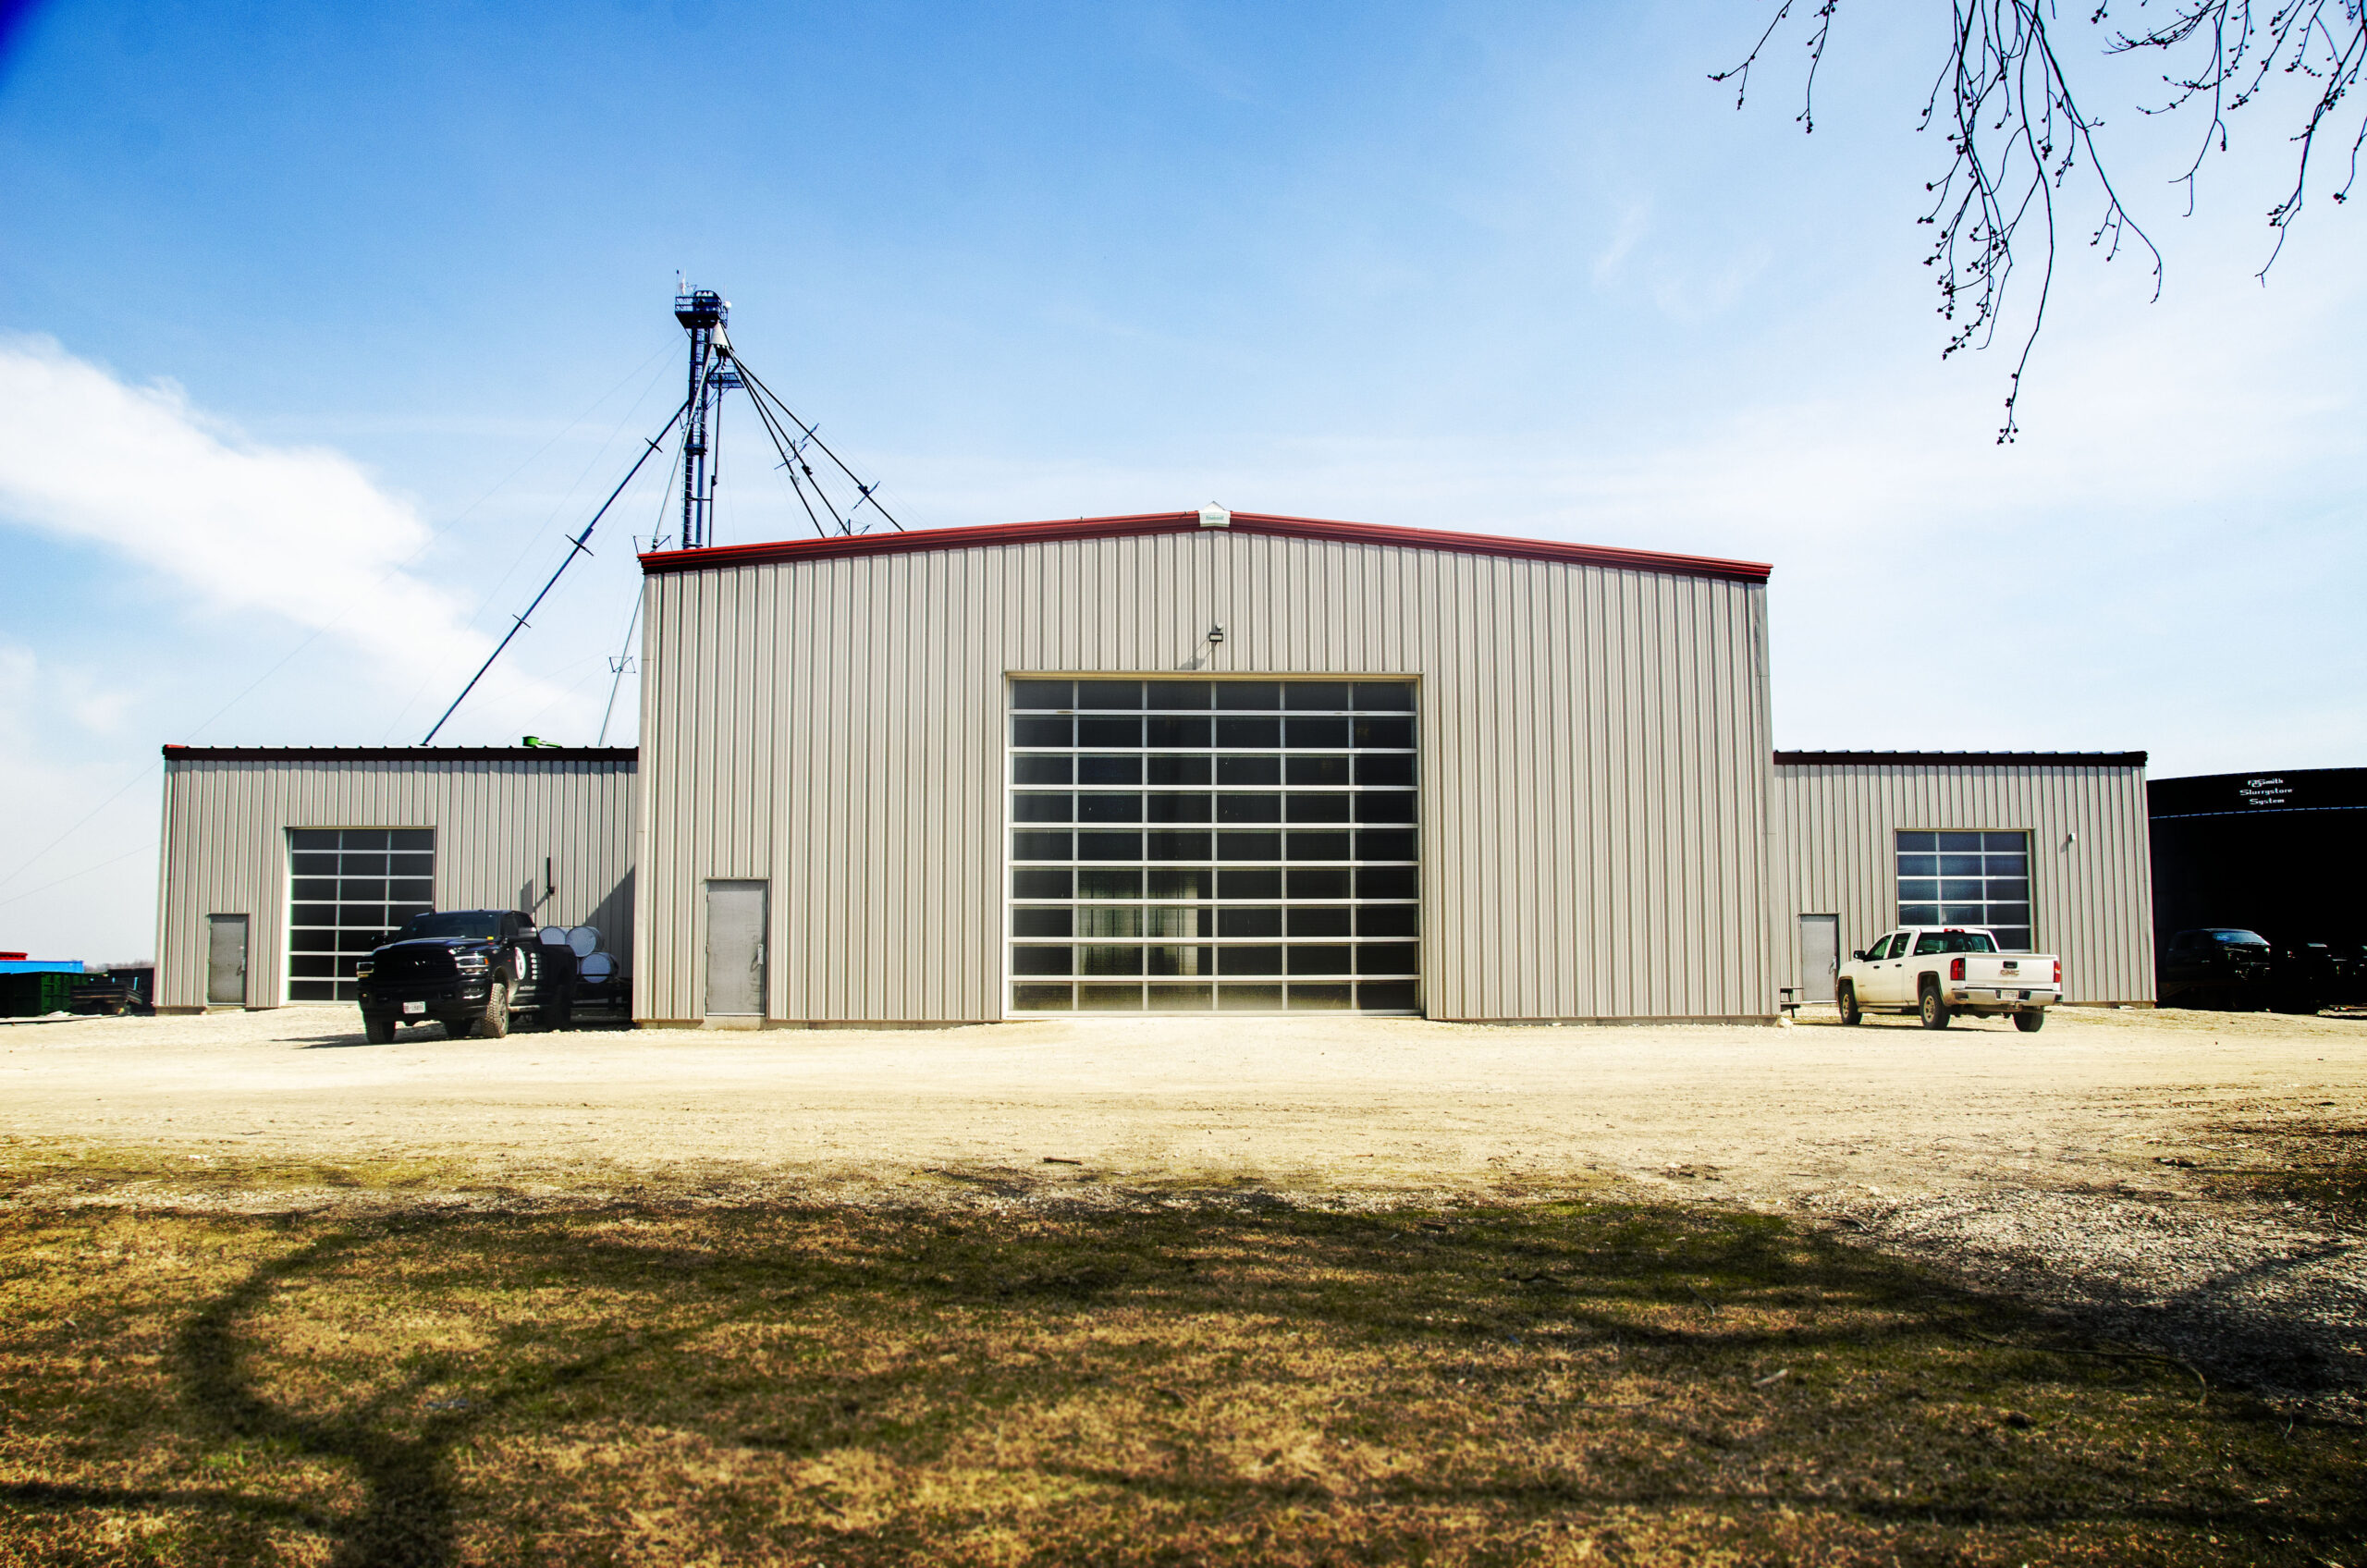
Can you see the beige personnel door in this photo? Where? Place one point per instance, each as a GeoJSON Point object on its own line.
{"type": "Point", "coordinates": [1819, 956]}
{"type": "Point", "coordinates": [225, 959]}
{"type": "Point", "coordinates": [735, 949]}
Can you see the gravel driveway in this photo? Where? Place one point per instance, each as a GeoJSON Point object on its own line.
{"type": "Point", "coordinates": [2075, 1165]}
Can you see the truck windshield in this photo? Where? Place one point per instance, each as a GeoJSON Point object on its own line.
{"type": "Point", "coordinates": [1954, 942]}
{"type": "Point", "coordinates": [482, 924]}
{"type": "Point", "coordinates": [2239, 939]}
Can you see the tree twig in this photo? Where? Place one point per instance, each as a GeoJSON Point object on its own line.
{"type": "Point", "coordinates": [2105, 1355]}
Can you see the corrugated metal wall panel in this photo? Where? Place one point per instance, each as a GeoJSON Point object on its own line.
{"type": "Point", "coordinates": [2092, 896]}
{"type": "Point", "coordinates": [1594, 752]}
{"type": "Point", "coordinates": [226, 846]}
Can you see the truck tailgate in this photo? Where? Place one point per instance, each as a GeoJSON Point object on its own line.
{"type": "Point", "coordinates": [2019, 970]}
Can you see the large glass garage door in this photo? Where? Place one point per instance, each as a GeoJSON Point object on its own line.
{"type": "Point", "coordinates": [1196, 846]}
{"type": "Point", "coordinates": [1967, 879]}
{"type": "Point", "coordinates": [348, 888]}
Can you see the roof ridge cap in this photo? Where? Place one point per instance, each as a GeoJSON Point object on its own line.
{"type": "Point", "coordinates": [1057, 529]}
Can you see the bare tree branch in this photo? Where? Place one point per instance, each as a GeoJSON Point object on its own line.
{"type": "Point", "coordinates": [2325, 41]}
{"type": "Point", "coordinates": [2018, 135]}
{"type": "Point", "coordinates": [1740, 75]}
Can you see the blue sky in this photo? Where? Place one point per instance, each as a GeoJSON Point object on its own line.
{"type": "Point", "coordinates": [320, 325]}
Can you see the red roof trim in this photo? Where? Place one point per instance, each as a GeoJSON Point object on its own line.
{"type": "Point", "coordinates": [1189, 523]}
{"type": "Point", "coordinates": [1961, 759]}
{"type": "Point", "coordinates": [400, 754]}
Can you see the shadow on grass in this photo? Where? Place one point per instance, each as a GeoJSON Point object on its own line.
{"type": "Point", "coordinates": [408, 1515]}
{"type": "Point", "coordinates": [1176, 1382]}
{"type": "Point", "coordinates": [2319, 1166]}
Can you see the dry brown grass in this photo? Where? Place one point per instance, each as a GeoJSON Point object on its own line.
{"type": "Point", "coordinates": [1171, 1380]}
{"type": "Point", "coordinates": [2320, 1167]}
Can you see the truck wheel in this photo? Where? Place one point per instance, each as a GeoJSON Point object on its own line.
{"type": "Point", "coordinates": [1847, 997]}
{"type": "Point", "coordinates": [2031, 1022]}
{"type": "Point", "coordinates": [1935, 1012]}
{"type": "Point", "coordinates": [378, 1028]}
{"type": "Point", "coordinates": [496, 1021]}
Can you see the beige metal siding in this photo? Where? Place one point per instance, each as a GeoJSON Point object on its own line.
{"type": "Point", "coordinates": [226, 846]}
{"type": "Point", "coordinates": [1594, 758]}
{"type": "Point", "coordinates": [2092, 896]}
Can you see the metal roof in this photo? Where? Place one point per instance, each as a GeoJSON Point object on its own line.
{"type": "Point", "coordinates": [1189, 523]}
{"type": "Point", "coordinates": [400, 754]}
{"type": "Point", "coordinates": [1965, 759]}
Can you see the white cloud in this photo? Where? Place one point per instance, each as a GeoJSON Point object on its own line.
{"type": "Point", "coordinates": [301, 533]}
{"type": "Point", "coordinates": [51, 779]}
{"type": "Point", "coordinates": [1634, 224]}
{"type": "Point", "coordinates": [18, 677]}
{"type": "Point", "coordinates": [75, 696]}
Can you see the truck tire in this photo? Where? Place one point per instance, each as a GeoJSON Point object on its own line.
{"type": "Point", "coordinates": [378, 1028]}
{"type": "Point", "coordinates": [1933, 1008]}
{"type": "Point", "coordinates": [496, 1021]}
{"type": "Point", "coordinates": [2030, 1022]}
{"type": "Point", "coordinates": [1847, 999]}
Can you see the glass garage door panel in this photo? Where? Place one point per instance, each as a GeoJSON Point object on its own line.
{"type": "Point", "coordinates": [1967, 879]}
{"type": "Point", "coordinates": [348, 888]}
{"type": "Point", "coordinates": [1213, 846]}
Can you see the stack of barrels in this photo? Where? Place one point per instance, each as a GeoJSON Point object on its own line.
{"type": "Point", "coordinates": [596, 971]}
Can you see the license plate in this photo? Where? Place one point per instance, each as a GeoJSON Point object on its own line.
{"type": "Point", "coordinates": [414, 1006]}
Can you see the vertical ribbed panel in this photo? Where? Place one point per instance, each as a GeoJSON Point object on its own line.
{"type": "Point", "coordinates": [2091, 897]}
{"type": "Point", "coordinates": [1594, 758]}
{"type": "Point", "coordinates": [226, 846]}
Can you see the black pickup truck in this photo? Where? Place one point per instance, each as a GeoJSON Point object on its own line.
{"type": "Point", "coordinates": [470, 970]}
{"type": "Point", "coordinates": [2239, 971]}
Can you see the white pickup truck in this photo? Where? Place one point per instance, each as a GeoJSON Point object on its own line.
{"type": "Point", "coordinates": [1940, 971]}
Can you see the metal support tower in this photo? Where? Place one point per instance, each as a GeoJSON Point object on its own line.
{"type": "Point", "coordinates": [703, 312]}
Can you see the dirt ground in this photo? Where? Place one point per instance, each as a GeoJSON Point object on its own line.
{"type": "Point", "coordinates": [2083, 1166]}
{"type": "Point", "coordinates": [1760, 1116]}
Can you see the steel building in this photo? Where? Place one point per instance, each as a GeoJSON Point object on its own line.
{"type": "Point", "coordinates": [2275, 852]}
{"type": "Point", "coordinates": [2048, 849]}
{"type": "Point", "coordinates": [1581, 829]}
{"type": "Point", "coordinates": [1192, 762]}
{"type": "Point", "coordinates": [282, 865]}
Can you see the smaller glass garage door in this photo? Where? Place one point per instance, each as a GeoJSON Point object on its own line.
{"type": "Point", "coordinates": [1967, 879]}
{"type": "Point", "coordinates": [1199, 846]}
{"type": "Point", "coordinates": [349, 889]}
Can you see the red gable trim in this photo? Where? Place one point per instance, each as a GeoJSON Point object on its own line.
{"type": "Point", "coordinates": [1960, 759]}
{"type": "Point", "coordinates": [1189, 523]}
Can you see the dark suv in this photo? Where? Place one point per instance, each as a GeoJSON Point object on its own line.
{"type": "Point", "coordinates": [469, 970]}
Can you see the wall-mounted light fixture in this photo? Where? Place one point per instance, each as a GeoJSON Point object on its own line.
{"type": "Point", "coordinates": [1216, 632]}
